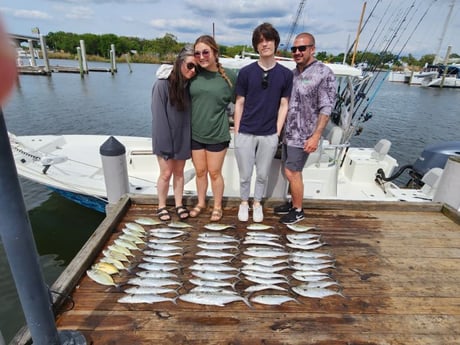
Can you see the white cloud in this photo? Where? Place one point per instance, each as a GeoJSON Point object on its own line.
{"type": "Point", "coordinates": [80, 13]}
{"type": "Point", "coordinates": [31, 14]}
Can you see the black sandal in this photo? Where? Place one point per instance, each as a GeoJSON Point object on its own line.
{"type": "Point", "coordinates": [182, 212]}
{"type": "Point", "coordinates": [163, 214]}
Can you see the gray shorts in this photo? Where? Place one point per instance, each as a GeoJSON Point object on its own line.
{"type": "Point", "coordinates": [293, 158]}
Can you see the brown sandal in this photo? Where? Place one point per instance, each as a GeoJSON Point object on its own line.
{"type": "Point", "coordinates": [196, 211]}
{"type": "Point", "coordinates": [216, 215]}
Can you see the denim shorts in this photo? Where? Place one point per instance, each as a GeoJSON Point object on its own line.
{"type": "Point", "coordinates": [210, 147]}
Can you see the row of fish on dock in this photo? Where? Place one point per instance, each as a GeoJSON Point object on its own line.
{"type": "Point", "coordinates": [261, 266]}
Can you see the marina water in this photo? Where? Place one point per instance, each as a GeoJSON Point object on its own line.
{"type": "Point", "coordinates": [410, 117]}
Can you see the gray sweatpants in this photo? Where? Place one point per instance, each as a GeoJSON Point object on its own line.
{"type": "Point", "coordinates": [257, 150]}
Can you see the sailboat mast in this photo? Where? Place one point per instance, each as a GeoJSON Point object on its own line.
{"type": "Point", "coordinates": [444, 29]}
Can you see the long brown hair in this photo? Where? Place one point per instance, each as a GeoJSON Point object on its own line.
{"type": "Point", "coordinates": [177, 83]}
{"type": "Point", "coordinates": [209, 41]}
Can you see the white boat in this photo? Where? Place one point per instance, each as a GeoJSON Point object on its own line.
{"type": "Point", "coordinates": [449, 77]}
{"type": "Point", "coordinates": [72, 165]}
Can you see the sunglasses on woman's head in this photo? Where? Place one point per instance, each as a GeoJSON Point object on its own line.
{"type": "Point", "coordinates": [205, 53]}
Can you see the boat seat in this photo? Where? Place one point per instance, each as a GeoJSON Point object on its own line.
{"type": "Point", "coordinates": [431, 180]}
{"type": "Point", "coordinates": [328, 148]}
{"type": "Point", "coordinates": [381, 149]}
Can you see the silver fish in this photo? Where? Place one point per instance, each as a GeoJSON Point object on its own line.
{"type": "Point", "coordinates": [262, 242]}
{"type": "Point", "coordinates": [311, 260]}
{"type": "Point", "coordinates": [145, 298]}
{"type": "Point", "coordinates": [259, 226]}
{"type": "Point", "coordinates": [153, 282]}
{"type": "Point", "coordinates": [142, 290]}
{"type": "Point", "coordinates": [159, 260]}
{"type": "Point", "coordinates": [164, 240]}
{"type": "Point", "coordinates": [166, 232]}
{"type": "Point", "coordinates": [100, 277]}
{"type": "Point", "coordinates": [269, 253]}
{"type": "Point", "coordinates": [212, 283]}
{"type": "Point", "coordinates": [214, 275]}
{"type": "Point", "coordinates": [211, 289]}
{"type": "Point", "coordinates": [306, 291]}
{"type": "Point", "coordinates": [216, 299]}
{"type": "Point", "coordinates": [310, 278]}
{"type": "Point", "coordinates": [300, 227]}
{"type": "Point", "coordinates": [161, 253]}
{"type": "Point", "coordinates": [156, 274]}
{"type": "Point", "coordinates": [266, 281]}
{"type": "Point", "coordinates": [309, 254]}
{"type": "Point", "coordinates": [217, 239]}
{"type": "Point", "coordinates": [136, 227]}
{"type": "Point", "coordinates": [272, 299]}
{"type": "Point", "coordinates": [148, 221]}
{"type": "Point", "coordinates": [306, 247]}
{"type": "Point", "coordinates": [261, 287]}
{"type": "Point", "coordinates": [213, 267]}
{"type": "Point", "coordinates": [266, 275]}
{"type": "Point", "coordinates": [216, 246]}
{"type": "Point", "coordinates": [157, 267]}
{"type": "Point", "coordinates": [261, 268]}
{"type": "Point", "coordinates": [302, 236]}
{"type": "Point", "coordinates": [321, 284]}
{"type": "Point", "coordinates": [268, 262]}
{"type": "Point", "coordinates": [310, 267]}
{"type": "Point", "coordinates": [218, 227]}
{"type": "Point", "coordinates": [179, 225]}
{"type": "Point", "coordinates": [210, 261]}
{"type": "Point", "coordinates": [215, 234]}
{"type": "Point", "coordinates": [262, 234]}
{"type": "Point", "coordinates": [163, 246]}
{"type": "Point", "coordinates": [214, 253]}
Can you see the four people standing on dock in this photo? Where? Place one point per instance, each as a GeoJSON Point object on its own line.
{"type": "Point", "coordinates": [171, 128]}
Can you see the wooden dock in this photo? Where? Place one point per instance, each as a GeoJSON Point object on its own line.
{"type": "Point", "coordinates": [40, 70]}
{"type": "Point", "coordinates": [397, 263]}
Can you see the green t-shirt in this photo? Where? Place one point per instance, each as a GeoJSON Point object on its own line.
{"type": "Point", "coordinates": [211, 95]}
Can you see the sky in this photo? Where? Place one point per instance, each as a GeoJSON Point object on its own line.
{"type": "Point", "coordinates": [402, 27]}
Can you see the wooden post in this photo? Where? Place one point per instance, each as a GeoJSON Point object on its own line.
{"type": "Point", "coordinates": [127, 61]}
{"type": "Point", "coordinates": [32, 61]}
{"type": "Point", "coordinates": [80, 62]}
{"type": "Point", "coordinates": [83, 56]}
{"type": "Point", "coordinates": [446, 62]}
{"type": "Point", "coordinates": [45, 54]}
{"type": "Point", "coordinates": [113, 58]}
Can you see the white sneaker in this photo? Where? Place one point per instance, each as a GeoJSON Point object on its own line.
{"type": "Point", "coordinates": [257, 214]}
{"type": "Point", "coordinates": [243, 213]}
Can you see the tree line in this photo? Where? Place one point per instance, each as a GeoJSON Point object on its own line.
{"type": "Point", "coordinates": [166, 48]}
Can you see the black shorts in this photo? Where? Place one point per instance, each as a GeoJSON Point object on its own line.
{"type": "Point", "coordinates": [210, 147]}
{"type": "Point", "coordinates": [294, 158]}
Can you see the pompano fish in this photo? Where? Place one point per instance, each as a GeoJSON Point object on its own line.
{"type": "Point", "coordinates": [115, 255]}
{"type": "Point", "coordinates": [216, 299]}
{"type": "Point", "coordinates": [305, 291]}
{"type": "Point", "coordinates": [218, 226]}
{"type": "Point", "coordinates": [142, 290]}
{"type": "Point", "coordinates": [179, 225]}
{"type": "Point", "coordinates": [120, 249]}
{"type": "Point", "coordinates": [259, 226]}
{"type": "Point", "coordinates": [135, 226]}
{"type": "Point", "coordinates": [272, 299]}
{"type": "Point", "coordinates": [300, 227]}
{"type": "Point", "coordinates": [106, 267]}
{"type": "Point", "coordinates": [125, 243]}
{"type": "Point", "coordinates": [117, 263]}
{"type": "Point", "coordinates": [134, 232]}
{"type": "Point", "coordinates": [153, 282]}
{"type": "Point", "coordinates": [166, 232]}
{"type": "Point", "coordinates": [136, 240]}
{"type": "Point", "coordinates": [148, 221]}
{"type": "Point", "coordinates": [100, 277]}
{"type": "Point", "coordinates": [145, 298]}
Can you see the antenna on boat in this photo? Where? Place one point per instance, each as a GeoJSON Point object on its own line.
{"type": "Point", "coordinates": [444, 29]}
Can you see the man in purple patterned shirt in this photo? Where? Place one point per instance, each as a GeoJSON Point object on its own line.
{"type": "Point", "coordinates": [310, 105]}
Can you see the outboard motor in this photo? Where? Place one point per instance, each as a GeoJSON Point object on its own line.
{"type": "Point", "coordinates": [433, 156]}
